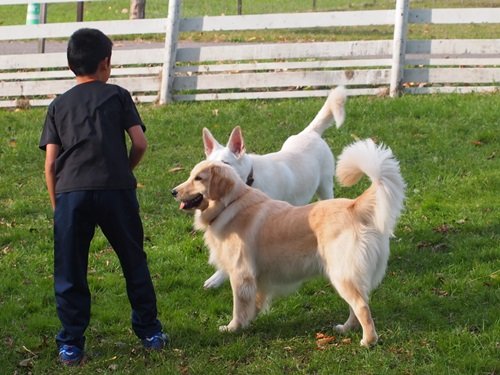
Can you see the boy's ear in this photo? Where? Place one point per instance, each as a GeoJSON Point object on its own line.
{"type": "Point", "coordinates": [105, 63]}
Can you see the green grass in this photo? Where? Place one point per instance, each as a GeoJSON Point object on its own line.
{"type": "Point", "coordinates": [436, 310]}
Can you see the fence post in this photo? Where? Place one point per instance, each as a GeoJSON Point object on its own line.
{"type": "Point", "coordinates": [79, 11]}
{"type": "Point", "coordinates": [399, 46]}
{"type": "Point", "coordinates": [171, 37]}
{"type": "Point", "coordinates": [43, 19]}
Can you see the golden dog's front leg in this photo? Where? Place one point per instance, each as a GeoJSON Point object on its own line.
{"type": "Point", "coordinates": [244, 308]}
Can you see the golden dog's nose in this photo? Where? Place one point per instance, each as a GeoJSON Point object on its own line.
{"type": "Point", "coordinates": [174, 192]}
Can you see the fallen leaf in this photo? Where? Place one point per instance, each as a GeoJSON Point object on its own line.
{"type": "Point", "coordinates": [439, 247]}
{"type": "Point", "coordinates": [383, 91]}
{"type": "Point", "coordinates": [113, 367]}
{"type": "Point", "coordinates": [176, 169]}
{"type": "Point", "coordinates": [28, 362]}
{"type": "Point", "coordinates": [9, 342]}
{"type": "Point", "coordinates": [322, 340]}
{"type": "Point", "coordinates": [444, 228]}
{"type": "Point", "coordinates": [440, 292]}
{"type": "Point", "coordinates": [7, 249]}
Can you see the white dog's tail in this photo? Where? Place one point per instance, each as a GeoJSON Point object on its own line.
{"type": "Point", "coordinates": [332, 109]}
{"type": "Point", "coordinates": [383, 200]}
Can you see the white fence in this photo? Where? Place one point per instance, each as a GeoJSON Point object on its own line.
{"type": "Point", "coordinates": [265, 70]}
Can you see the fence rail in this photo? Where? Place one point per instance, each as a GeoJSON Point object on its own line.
{"type": "Point", "coordinates": [178, 72]}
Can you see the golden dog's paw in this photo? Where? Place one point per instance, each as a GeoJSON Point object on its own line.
{"type": "Point", "coordinates": [369, 343]}
{"type": "Point", "coordinates": [231, 327]}
{"type": "Point", "coordinates": [225, 329]}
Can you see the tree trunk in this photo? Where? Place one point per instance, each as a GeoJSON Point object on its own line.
{"type": "Point", "coordinates": [137, 9]}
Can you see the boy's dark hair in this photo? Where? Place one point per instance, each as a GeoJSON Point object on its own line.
{"type": "Point", "coordinates": [86, 49]}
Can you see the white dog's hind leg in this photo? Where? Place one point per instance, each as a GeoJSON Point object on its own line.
{"type": "Point", "coordinates": [325, 188]}
{"type": "Point", "coordinates": [216, 280]}
{"type": "Point", "coordinates": [351, 323]}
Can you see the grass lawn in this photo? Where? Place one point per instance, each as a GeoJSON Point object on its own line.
{"type": "Point", "coordinates": [437, 310]}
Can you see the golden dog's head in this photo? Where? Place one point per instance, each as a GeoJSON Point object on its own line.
{"type": "Point", "coordinates": [208, 181]}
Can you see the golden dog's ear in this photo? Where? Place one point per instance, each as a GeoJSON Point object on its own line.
{"type": "Point", "coordinates": [221, 182]}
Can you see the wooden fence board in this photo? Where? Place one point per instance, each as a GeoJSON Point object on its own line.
{"type": "Point", "coordinates": [455, 16]}
{"type": "Point", "coordinates": [28, 88]}
{"type": "Point", "coordinates": [453, 90]}
{"type": "Point", "coordinates": [282, 79]}
{"type": "Point", "coordinates": [63, 30]}
{"type": "Point", "coordinates": [453, 75]}
{"type": "Point", "coordinates": [58, 59]}
{"type": "Point", "coordinates": [283, 66]}
{"type": "Point", "coordinates": [287, 21]}
{"type": "Point", "coordinates": [53, 74]}
{"type": "Point", "coordinates": [33, 61]}
{"type": "Point", "coordinates": [288, 94]}
{"type": "Point", "coordinates": [319, 50]}
{"type": "Point", "coordinates": [464, 47]}
{"type": "Point", "coordinates": [45, 102]}
{"type": "Point", "coordinates": [34, 88]}
{"type": "Point", "coordinates": [471, 61]}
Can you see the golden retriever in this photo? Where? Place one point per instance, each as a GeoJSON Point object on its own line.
{"type": "Point", "coordinates": [268, 247]}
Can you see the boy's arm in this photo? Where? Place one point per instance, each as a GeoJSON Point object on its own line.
{"type": "Point", "coordinates": [51, 152]}
{"type": "Point", "coordinates": [139, 145]}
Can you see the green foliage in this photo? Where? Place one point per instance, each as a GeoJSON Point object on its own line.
{"type": "Point", "coordinates": [436, 310]}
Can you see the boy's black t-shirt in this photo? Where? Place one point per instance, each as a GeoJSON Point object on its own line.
{"type": "Point", "coordinates": [89, 123]}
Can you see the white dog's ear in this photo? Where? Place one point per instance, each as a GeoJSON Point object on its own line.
{"type": "Point", "coordinates": [209, 142]}
{"type": "Point", "coordinates": [236, 143]}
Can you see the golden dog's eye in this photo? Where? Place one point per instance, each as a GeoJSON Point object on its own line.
{"type": "Point", "coordinates": [197, 178]}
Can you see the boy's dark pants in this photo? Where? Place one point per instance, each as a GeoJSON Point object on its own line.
{"type": "Point", "coordinates": [76, 215]}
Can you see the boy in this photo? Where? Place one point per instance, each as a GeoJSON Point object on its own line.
{"type": "Point", "coordinates": [89, 177]}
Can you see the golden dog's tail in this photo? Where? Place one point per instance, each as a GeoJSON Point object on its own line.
{"type": "Point", "coordinates": [383, 200]}
{"type": "Point", "coordinates": [332, 109]}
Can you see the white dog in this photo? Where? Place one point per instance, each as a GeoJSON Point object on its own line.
{"type": "Point", "coordinates": [304, 166]}
{"type": "Point", "coordinates": [268, 247]}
